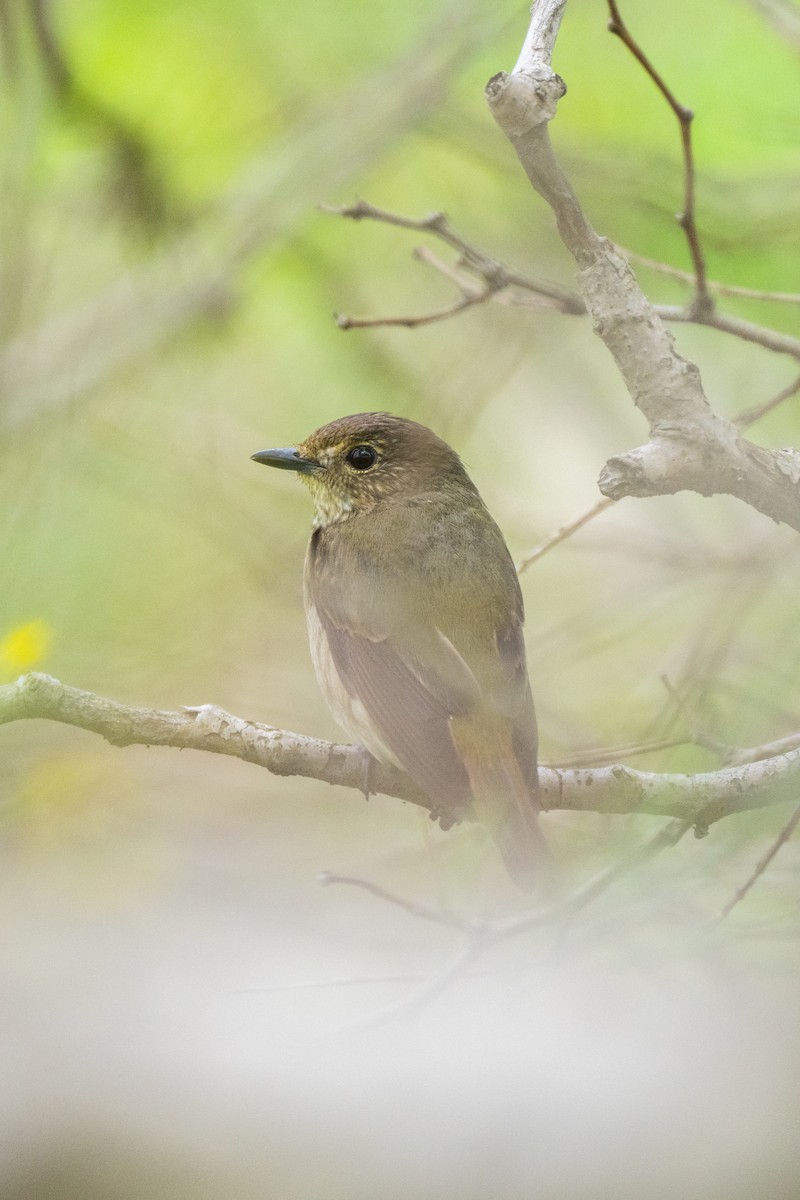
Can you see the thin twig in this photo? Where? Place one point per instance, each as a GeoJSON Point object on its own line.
{"type": "Point", "coordinates": [665, 839]}
{"type": "Point", "coordinates": [427, 991]}
{"type": "Point", "coordinates": [423, 911]}
{"type": "Point", "coordinates": [746, 331]}
{"type": "Point", "coordinates": [441, 314]}
{"type": "Point", "coordinates": [763, 863]}
{"type": "Point", "coordinates": [482, 938]}
{"type": "Point", "coordinates": [597, 756]}
{"type": "Point", "coordinates": [563, 532]}
{"type": "Point", "coordinates": [502, 284]}
{"type": "Point", "coordinates": [698, 735]}
{"type": "Point", "coordinates": [751, 415]}
{"type": "Point", "coordinates": [703, 301]}
{"type": "Point", "coordinates": [768, 750]}
{"type": "Point", "coordinates": [512, 294]}
{"type": "Point", "coordinates": [713, 285]}
{"type": "Point", "coordinates": [490, 270]}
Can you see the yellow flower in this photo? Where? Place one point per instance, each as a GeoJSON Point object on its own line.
{"type": "Point", "coordinates": [24, 647]}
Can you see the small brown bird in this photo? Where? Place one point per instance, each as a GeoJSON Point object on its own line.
{"type": "Point", "coordinates": [415, 621]}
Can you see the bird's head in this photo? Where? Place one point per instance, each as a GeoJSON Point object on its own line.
{"type": "Point", "coordinates": [356, 462]}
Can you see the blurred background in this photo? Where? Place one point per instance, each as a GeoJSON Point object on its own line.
{"type": "Point", "coordinates": [178, 991]}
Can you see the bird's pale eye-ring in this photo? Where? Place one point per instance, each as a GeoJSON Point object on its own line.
{"type": "Point", "coordinates": [361, 458]}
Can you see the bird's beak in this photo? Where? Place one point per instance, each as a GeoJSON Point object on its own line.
{"type": "Point", "coordinates": [288, 460]}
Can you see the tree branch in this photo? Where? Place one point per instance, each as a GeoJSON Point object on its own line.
{"type": "Point", "coordinates": [762, 864]}
{"type": "Point", "coordinates": [703, 302]}
{"type": "Point", "coordinates": [701, 799]}
{"type": "Point", "coordinates": [494, 275]}
{"type": "Point", "coordinates": [562, 533]}
{"type": "Point", "coordinates": [713, 285]}
{"type": "Point", "coordinates": [482, 936]}
{"type": "Point", "coordinates": [507, 286]}
{"type": "Point", "coordinates": [691, 447]}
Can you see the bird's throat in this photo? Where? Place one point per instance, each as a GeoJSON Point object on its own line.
{"type": "Point", "coordinates": [330, 505]}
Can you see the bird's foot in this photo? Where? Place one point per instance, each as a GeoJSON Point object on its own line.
{"type": "Point", "coordinates": [446, 818]}
{"type": "Point", "coordinates": [366, 766]}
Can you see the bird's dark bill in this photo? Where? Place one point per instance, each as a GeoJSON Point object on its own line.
{"type": "Point", "coordinates": [288, 460]}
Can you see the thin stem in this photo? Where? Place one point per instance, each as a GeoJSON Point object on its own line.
{"type": "Point", "coordinates": [713, 285]}
{"type": "Point", "coordinates": [466, 301]}
{"type": "Point", "coordinates": [563, 532]}
{"type": "Point", "coordinates": [751, 415]}
{"type": "Point", "coordinates": [703, 301]}
{"type": "Point", "coordinates": [763, 863]}
{"type": "Point", "coordinates": [437, 916]}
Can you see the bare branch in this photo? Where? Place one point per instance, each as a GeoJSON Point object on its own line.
{"type": "Point", "coordinates": [440, 314]}
{"type": "Point", "coordinates": [746, 331]}
{"type": "Point", "coordinates": [700, 799]}
{"type": "Point", "coordinates": [482, 937]}
{"type": "Point", "coordinates": [428, 990]}
{"type": "Point", "coordinates": [471, 294]}
{"type": "Point", "coordinates": [697, 733]}
{"type": "Point", "coordinates": [201, 728]}
{"type": "Point", "coordinates": [502, 284]}
{"type": "Point", "coordinates": [783, 745]}
{"type": "Point", "coordinates": [691, 447]}
{"type": "Point", "coordinates": [713, 285]}
{"type": "Point", "coordinates": [543, 28]}
{"type": "Point", "coordinates": [494, 274]}
{"type": "Point", "coordinates": [703, 302]}
{"type": "Point", "coordinates": [604, 756]}
{"type": "Point", "coordinates": [763, 863]}
{"type": "Point", "coordinates": [751, 415]}
{"type": "Point", "coordinates": [562, 533]}
{"type": "Point", "coordinates": [567, 910]}
{"type": "Point", "coordinates": [437, 915]}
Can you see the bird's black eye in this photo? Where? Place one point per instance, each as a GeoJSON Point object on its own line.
{"type": "Point", "coordinates": [361, 458]}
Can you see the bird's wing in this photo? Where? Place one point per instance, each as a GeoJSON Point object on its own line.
{"type": "Point", "coordinates": [409, 693]}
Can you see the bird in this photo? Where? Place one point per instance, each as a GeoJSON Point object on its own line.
{"type": "Point", "coordinates": [415, 621]}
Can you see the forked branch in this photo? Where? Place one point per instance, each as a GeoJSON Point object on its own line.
{"type": "Point", "coordinates": [691, 446]}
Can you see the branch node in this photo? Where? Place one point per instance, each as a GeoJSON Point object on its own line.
{"type": "Point", "coordinates": [525, 100]}
{"type": "Point", "coordinates": [436, 222]}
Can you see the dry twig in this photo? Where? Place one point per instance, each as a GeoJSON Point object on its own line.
{"type": "Point", "coordinates": [484, 936]}
{"type": "Point", "coordinates": [691, 447]}
{"type": "Point", "coordinates": [503, 285]}
{"type": "Point", "coordinates": [751, 415]}
{"type": "Point", "coordinates": [563, 532]}
{"type": "Point", "coordinates": [763, 863]}
{"type": "Point", "coordinates": [713, 285]}
{"type": "Point", "coordinates": [687, 219]}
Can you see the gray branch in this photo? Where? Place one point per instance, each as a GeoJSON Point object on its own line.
{"type": "Point", "coordinates": [701, 799]}
{"type": "Point", "coordinates": [691, 447]}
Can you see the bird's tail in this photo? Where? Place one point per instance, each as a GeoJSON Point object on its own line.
{"type": "Point", "coordinates": [507, 805]}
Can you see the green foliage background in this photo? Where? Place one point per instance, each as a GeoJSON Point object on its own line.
{"type": "Point", "coordinates": [168, 285]}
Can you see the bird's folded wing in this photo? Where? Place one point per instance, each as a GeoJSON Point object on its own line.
{"type": "Point", "coordinates": [409, 689]}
